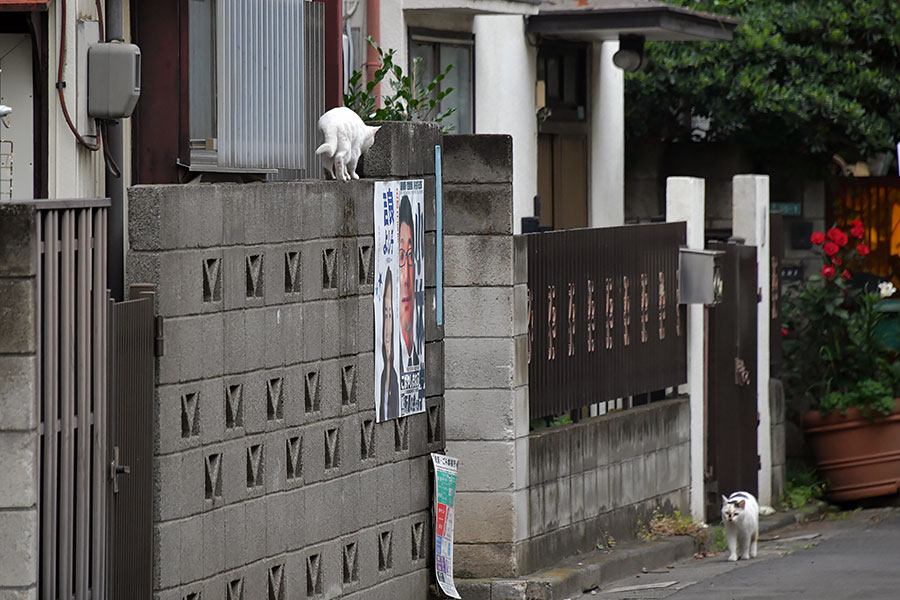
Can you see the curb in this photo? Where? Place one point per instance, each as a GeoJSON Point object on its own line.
{"type": "Point", "coordinates": [577, 574]}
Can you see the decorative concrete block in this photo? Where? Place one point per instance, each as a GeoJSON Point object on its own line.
{"type": "Point", "coordinates": [166, 554]}
{"type": "Point", "coordinates": [192, 559]}
{"type": "Point", "coordinates": [433, 331]}
{"type": "Point", "coordinates": [256, 522]}
{"type": "Point", "coordinates": [233, 551]}
{"type": "Point", "coordinates": [18, 247]}
{"type": "Point", "coordinates": [478, 260]}
{"type": "Point", "coordinates": [18, 392]}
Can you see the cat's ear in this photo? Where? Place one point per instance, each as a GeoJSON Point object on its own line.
{"type": "Point", "coordinates": [741, 504]}
{"type": "Point", "coordinates": [724, 500]}
{"type": "Point", "coordinates": [373, 130]}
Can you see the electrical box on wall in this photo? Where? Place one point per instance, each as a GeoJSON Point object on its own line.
{"type": "Point", "coordinates": [114, 80]}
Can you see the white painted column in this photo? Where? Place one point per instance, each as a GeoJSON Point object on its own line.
{"type": "Point", "coordinates": [750, 220]}
{"type": "Point", "coordinates": [504, 99]}
{"type": "Point", "coordinates": [685, 201]}
{"type": "Point", "coordinates": [607, 176]}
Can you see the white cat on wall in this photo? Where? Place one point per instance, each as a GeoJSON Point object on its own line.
{"type": "Point", "coordinates": [346, 138]}
{"type": "Point", "coordinates": [740, 516]}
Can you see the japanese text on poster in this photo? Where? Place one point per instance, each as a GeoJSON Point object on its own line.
{"type": "Point", "coordinates": [445, 471]}
{"type": "Point", "coordinates": [399, 298]}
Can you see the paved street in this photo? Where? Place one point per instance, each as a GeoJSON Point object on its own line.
{"type": "Point", "coordinates": [856, 556]}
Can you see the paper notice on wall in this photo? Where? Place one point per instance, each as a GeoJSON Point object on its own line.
{"type": "Point", "coordinates": [445, 470]}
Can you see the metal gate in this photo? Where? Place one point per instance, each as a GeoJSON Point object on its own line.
{"type": "Point", "coordinates": [132, 343]}
{"type": "Point", "coordinates": [77, 393]}
{"type": "Point", "coordinates": [731, 461]}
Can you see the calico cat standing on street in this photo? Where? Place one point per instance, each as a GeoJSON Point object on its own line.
{"type": "Point", "coordinates": [740, 516]}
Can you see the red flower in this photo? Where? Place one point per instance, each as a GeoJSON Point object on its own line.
{"type": "Point", "coordinates": [784, 332]}
{"type": "Point", "coordinates": [836, 260]}
{"type": "Point", "coordinates": [817, 238]}
{"type": "Point", "coordinates": [828, 271]}
{"type": "Point", "coordinates": [863, 249]}
{"type": "Point", "coordinates": [858, 231]}
{"type": "Point", "coordinates": [830, 248]}
{"type": "Point", "coordinates": [855, 223]}
{"type": "Point", "coordinates": [845, 274]}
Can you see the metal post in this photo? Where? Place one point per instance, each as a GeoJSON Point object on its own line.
{"type": "Point", "coordinates": [115, 188]}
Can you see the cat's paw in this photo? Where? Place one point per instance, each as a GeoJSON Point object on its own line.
{"type": "Point", "coordinates": [354, 175]}
{"type": "Point", "coordinates": [732, 558]}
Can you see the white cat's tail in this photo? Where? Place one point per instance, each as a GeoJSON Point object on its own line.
{"type": "Point", "coordinates": [329, 147]}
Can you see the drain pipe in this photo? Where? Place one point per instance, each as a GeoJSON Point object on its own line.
{"type": "Point", "coordinates": [373, 30]}
{"type": "Point", "coordinates": [115, 186]}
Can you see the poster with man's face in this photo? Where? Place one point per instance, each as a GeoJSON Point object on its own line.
{"type": "Point", "coordinates": [399, 298]}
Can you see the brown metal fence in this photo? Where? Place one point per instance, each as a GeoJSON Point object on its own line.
{"type": "Point", "coordinates": [73, 391]}
{"type": "Point", "coordinates": [603, 315]}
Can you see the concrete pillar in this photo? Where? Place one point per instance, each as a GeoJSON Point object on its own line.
{"type": "Point", "coordinates": [504, 100]}
{"type": "Point", "coordinates": [607, 179]}
{"type": "Point", "coordinates": [750, 218]}
{"type": "Point", "coordinates": [485, 364]}
{"type": "Point", "coordinates": [685, 201]}
{"type": "Point", "coordinates": [18, 402]}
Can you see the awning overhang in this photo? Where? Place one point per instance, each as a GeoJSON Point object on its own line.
{"type": "Point", "coordinates": [600, 20]}
{"type": "Point", "coordinates": [23, 5]}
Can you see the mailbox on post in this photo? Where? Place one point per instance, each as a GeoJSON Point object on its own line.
{"type": "Point", "coordinates": [700, 276]}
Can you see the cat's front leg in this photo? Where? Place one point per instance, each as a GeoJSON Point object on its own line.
{"type": "Point", "coordinates": [746, 543]}
{"type": "Point", "coordinates": [731, 537]}
{"type": "Point", "coordinates": [753, 543]}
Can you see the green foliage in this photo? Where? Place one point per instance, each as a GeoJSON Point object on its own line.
{"type": "Point", "coordinates": [409, 100]}
{"type": "Point", "coordinates": [803, 487]}
{"type": "Point", "coordinates": [835, 354]}
{"type": "Point", "coordinates": [818, 77]}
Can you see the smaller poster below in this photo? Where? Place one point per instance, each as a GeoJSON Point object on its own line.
{"type": "Point", "coordinates": [445, 470]}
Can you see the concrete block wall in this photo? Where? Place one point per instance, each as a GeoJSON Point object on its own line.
{"type": "Point", "coordinates": [596, 479]}
{"type": "Point", "coordinates": [18, 402]}
{"type": "Point", "coordinates": [486, 380]}
{"type": "Point", "coordinates": [270, 472]}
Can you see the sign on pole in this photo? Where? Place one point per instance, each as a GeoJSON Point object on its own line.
{"type": "Point", "coordinates": [445, 471]}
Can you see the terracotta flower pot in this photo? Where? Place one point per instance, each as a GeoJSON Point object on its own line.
{"type": "Point", "coordinates": [859, 457]}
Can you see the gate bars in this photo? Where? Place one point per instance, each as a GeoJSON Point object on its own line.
{"type": "Point", "coordinates": [603, 315]}
{"type": "Point", "coordinates": [73, 309]}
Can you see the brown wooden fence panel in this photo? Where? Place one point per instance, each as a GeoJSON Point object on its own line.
{"type": "Point", "coordinates": [604, 318]}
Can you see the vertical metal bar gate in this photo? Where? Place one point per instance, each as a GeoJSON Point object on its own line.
{"type": "Point", "coordinates": [85, 342]}
{"type": "Point", "coordinates": [72, 353]}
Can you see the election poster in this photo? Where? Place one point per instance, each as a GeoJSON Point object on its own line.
{"type": "Point", "coordinates": [445, 471]}
{"type": "Point", "coordinates": [399, 298]}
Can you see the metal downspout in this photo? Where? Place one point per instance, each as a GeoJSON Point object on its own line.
{"type": "Point", "coordinates": [115, 186]}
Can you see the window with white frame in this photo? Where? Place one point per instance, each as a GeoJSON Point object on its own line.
{"type": "Point", "coordinates": [435, 51]}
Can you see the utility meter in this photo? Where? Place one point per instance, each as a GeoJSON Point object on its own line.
{"type": "Point", "coordinates": [114, 80]}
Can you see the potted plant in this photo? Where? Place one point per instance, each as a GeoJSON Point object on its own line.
{"type": "Point", "coordinates": [841, 370]}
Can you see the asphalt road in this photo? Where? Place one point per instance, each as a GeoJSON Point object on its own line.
{"type": "Point", "coordinates": [856, 556]}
